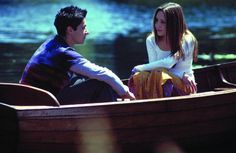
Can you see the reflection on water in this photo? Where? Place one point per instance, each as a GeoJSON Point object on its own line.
{"type": "Point", "coordinates": [29, 22]}
{"type": "Point", "coordinates": [33, 22]}
{"type": "Point", "coordinates": [117, 33]}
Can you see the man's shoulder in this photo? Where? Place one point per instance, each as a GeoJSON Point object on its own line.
{"type": "Point", "coordinates": [56, 44]}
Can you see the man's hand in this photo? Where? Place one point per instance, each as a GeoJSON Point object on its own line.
{"type": "Point", "coordinates": [128, 95]}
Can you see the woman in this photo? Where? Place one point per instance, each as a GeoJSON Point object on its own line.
{"type": "Point", "coordinates": [170, 46]}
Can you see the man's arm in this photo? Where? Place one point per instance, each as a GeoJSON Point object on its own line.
{"type": "Point", "coordinates": [93, 71]}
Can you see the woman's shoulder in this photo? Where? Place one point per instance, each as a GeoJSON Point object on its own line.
{"type": "Point", "coordinates": [150, 39]}
{"type": "Point", "coordinates": [189, 37]}
{"type": "Point", "coordinates": [150, 36]}
{"type": "Point", "coordinates": [189, 42]}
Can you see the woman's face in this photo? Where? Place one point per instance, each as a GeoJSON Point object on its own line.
{"type": "Point", "coordinates": [160, 24]}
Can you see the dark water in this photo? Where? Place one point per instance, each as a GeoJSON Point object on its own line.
{"type": "Point", "coordinates": [117, 33]}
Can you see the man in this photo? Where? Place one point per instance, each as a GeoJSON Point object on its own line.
{"type": "Point", "coordinates": [58, 68]}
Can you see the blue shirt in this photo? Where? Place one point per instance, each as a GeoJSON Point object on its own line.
{"type": "Point", "coordinates": [49, 68]}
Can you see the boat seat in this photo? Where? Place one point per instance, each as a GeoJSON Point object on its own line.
{"type": "Point", "coordinates": [25, 95]}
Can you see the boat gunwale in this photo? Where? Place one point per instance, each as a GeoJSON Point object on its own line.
{"type": "Point", "coordinates": [163, 105]}
{"type": "Point", "coordinates": [166, 99]}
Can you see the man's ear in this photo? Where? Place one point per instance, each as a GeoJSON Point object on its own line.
{"type": "Point", "coordinates": [69, 29]}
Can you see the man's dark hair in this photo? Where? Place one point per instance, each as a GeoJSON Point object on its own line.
{"type": "Point", "coordinates": [69, 16]}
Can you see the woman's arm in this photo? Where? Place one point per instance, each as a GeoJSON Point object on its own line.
{"type": "Point", "coordinates": [167, 62]}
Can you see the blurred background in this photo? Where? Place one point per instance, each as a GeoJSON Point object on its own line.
{"type": "Point", "coordinates": [118, 29]}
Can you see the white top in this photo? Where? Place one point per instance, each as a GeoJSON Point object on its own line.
{"type": "Point", "coordinates": [159, 58]}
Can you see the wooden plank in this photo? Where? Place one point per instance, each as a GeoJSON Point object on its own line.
{"type": "Point", "coordinates": [19, 94]}
{"type": "Point", "coordinates": [8, 129]}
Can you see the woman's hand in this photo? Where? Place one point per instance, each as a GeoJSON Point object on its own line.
{"type": "Point", "coordinates": [189, 83]}
{"type": "Point", "coordinates": [136, 69]}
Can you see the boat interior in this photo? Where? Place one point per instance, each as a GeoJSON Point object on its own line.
{"type": "Point", "coordinates": [216, 77]}
{"type": "Point", "coordinates": [209, 79]}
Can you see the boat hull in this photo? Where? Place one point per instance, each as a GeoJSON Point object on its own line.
{"type": "Point", "coordinates": [39, 124]}
{"type": "Point", "coordinates": [139, 126]}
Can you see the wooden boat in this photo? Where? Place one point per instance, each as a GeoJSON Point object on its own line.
{"type": "Point", "coordinates": [33, 121]}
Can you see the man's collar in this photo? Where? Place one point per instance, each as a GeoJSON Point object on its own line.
{"type": "Point", "coordinates": [61, 40]}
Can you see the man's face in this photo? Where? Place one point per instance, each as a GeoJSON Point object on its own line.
{"type": "Point", "coordinates": [78, 36]}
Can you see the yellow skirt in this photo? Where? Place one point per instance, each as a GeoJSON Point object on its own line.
{"type": "Point", "coordinates": [147, 84]}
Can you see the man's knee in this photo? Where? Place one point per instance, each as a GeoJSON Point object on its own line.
{"type": "Point", "coordinates": [104, 91]}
